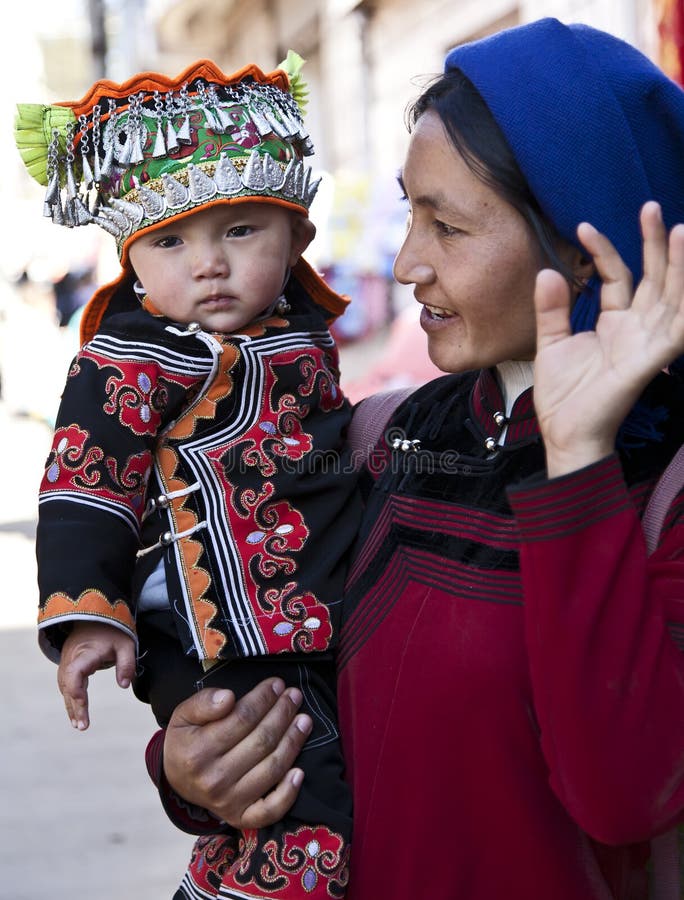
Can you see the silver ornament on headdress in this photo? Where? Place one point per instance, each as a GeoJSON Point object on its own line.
{"type": "Point", "coordinates": [107, 165]}
{"type": "Point", "coordinates": [171, 136]}
{"type": "Point", "coordinates": [52, 192]}
{"type": "Point", "coordinates": [117, 218]}
{"type": "Point", "coordinates": [106, 224]}
{"type": "Point", "coordinates": [106, 149]}
{"type": "Point", "coordinates": [227, 177]}
{"type": "Point", "coordinates": [183, 135]}
{"type": "Point", "coordinates": [84, 144]}
{"type": "Point", "coordinates": [132, 211]}
{"type": "Point", "coordinates": [274, 177]}
{"type": "Point", "coordinates": [176, 194]}
{"type": "Point", "coordinates": [213, 122]}
{"type": "Point", "coordinates": [159, 148]}
{"type": "Point", "coordinates": [256, 110]}
{"type": "Point", "coordinates": [253, 175]}
{"type": "Point", "coordinates": [224, 120]}
{"type": "Point", "coordinates": [277, 126]}
{"type": "Point", "coordinates": [96, 144]}
{"type": "Point", "coordinates": [152, 202]}
{"type": "Point", "coordinates": [200, 185]}
{"type": "Point", "coordinates": [135, 129]}
{"type": "Point", "coordinates": [290, 179]}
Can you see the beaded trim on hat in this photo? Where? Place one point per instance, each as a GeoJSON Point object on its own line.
{"type": "Point", "coordinates": [136, 157]}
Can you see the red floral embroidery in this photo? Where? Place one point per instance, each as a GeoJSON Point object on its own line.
{"type": "Point", "coordinates": [132, 479]}
{"type": "Point", "coordinates": [318, 376]}
{"type": "Point", "coordinates": [137, 397]}
{"type": "Point", "coordinates": [69, 464]}
{"type": "Point", "coordinates": [296, 623]}
{"type": "Point", "coordinates": [309, 862]}
{"type": "Point", "coordinates": [211, 856]}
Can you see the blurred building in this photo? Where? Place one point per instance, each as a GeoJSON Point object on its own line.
{"type": "Point", "coordinates": [365, 62]}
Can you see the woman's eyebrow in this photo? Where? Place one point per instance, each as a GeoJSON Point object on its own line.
{"type": "Point", "coordinates": [437, 201]}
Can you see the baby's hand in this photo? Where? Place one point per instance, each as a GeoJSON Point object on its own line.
{"type": "Point", "coordinates": [89, 647]}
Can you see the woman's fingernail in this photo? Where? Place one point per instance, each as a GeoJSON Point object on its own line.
{"type": "Point", "coordinates": [295, 696]}
{"type": "Point", "coordinates": [219, 696]}
{"type": "Point", "coordinates": [278, 687]}
{"type": "Point", "coordinates": [297, 777]}
{"type": "Point", "coordinates": [303, 724]}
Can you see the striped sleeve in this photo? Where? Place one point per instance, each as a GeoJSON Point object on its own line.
{"type": "Point", "coordinates": [607, 676]}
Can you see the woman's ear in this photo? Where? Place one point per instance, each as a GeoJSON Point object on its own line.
{"type": "Point", "coordinates": [579, 263]}
{"type": "Point", "coordinates": [583, 267]}
{"type": "Point", "coordinates": [303, 232]}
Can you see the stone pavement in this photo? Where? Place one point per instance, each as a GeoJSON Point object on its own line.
{"type": "Point", "coordinates": [79, 817]}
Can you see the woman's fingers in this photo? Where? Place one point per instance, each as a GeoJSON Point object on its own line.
{"type": "Point", "coordinates": [552, 307]}
{"type": "Point", "coordinates": [208, 705]}
{"type": "Point", "coordinates": [227, 756]}
{"type": "Point", "coordinates": [616, 292]}
{"type": "Point", "coordinates": [655, 254]}
{"type": "Point", "coordinates": [660, 296]}
{"type": "Point", "coordinates": [674, 279]}
{"type": "Point", "coordinates": [267, 790]}
{"type": "Point", "coordinates": [275, 805]}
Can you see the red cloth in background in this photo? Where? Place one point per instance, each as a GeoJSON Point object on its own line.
{"type": "Point", "coordinates": [671, 35]}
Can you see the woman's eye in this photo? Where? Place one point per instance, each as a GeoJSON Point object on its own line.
{"type": "Point", "coordinates": [446, 230]}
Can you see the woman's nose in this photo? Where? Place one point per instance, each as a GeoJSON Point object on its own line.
{"type": "Point", "coordinates": [411, 265]}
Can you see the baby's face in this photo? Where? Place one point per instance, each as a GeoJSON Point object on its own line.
{"type": "Point", "coordinates": [222, 266]}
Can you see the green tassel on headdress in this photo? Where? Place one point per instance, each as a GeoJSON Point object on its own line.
{"type": "Point", "coordinates": [292, 65]}
{"type": "Point", "coordinates": [33, 130]}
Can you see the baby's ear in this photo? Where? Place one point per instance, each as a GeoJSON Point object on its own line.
{"type": "Point", "coordinates": [303, 232]}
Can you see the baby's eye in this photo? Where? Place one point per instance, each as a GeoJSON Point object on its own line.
{"type": "Point", "coordinates": [239, 231]}
{"type": "Point", "coordinates": [169, 241]}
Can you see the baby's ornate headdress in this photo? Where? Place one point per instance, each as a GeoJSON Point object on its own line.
{"type": "Point", "coordinates": [131, 156]}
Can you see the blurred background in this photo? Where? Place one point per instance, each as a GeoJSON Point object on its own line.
{"type": "Point", "coordinates": [78, 817]}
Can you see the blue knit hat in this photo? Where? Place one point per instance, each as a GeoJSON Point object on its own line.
{"type": "Point", "coordinates": [596, 128]}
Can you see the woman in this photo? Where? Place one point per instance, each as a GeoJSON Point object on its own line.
{"type": "Point", "coordinates": [509, 687]}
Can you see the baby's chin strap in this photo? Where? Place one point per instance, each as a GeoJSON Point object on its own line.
{"type": "Point", "coordinates": [280, 304]}
{"type": "Point", "coordinates": [139, 290]}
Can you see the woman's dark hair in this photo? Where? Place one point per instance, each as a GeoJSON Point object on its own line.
{"type": "Point", "coordinates": [474, 132]}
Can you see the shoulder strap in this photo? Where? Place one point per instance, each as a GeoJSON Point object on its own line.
{"type": "Point", "coordinates": [669, 485]}
{"type": "Point", "coordinates": [370, 417]}
{"type": "Point", "coordinates": [664, 848]}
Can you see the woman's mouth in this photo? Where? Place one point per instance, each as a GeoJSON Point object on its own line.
{"type": "Point", "coordinates": [437, 312]}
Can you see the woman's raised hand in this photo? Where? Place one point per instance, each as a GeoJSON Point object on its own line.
{"type": "Point", "coordinates": [586, 383]}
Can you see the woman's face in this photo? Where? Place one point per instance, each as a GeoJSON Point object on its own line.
{"type": "Point", "coordinates": [470, 255]}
